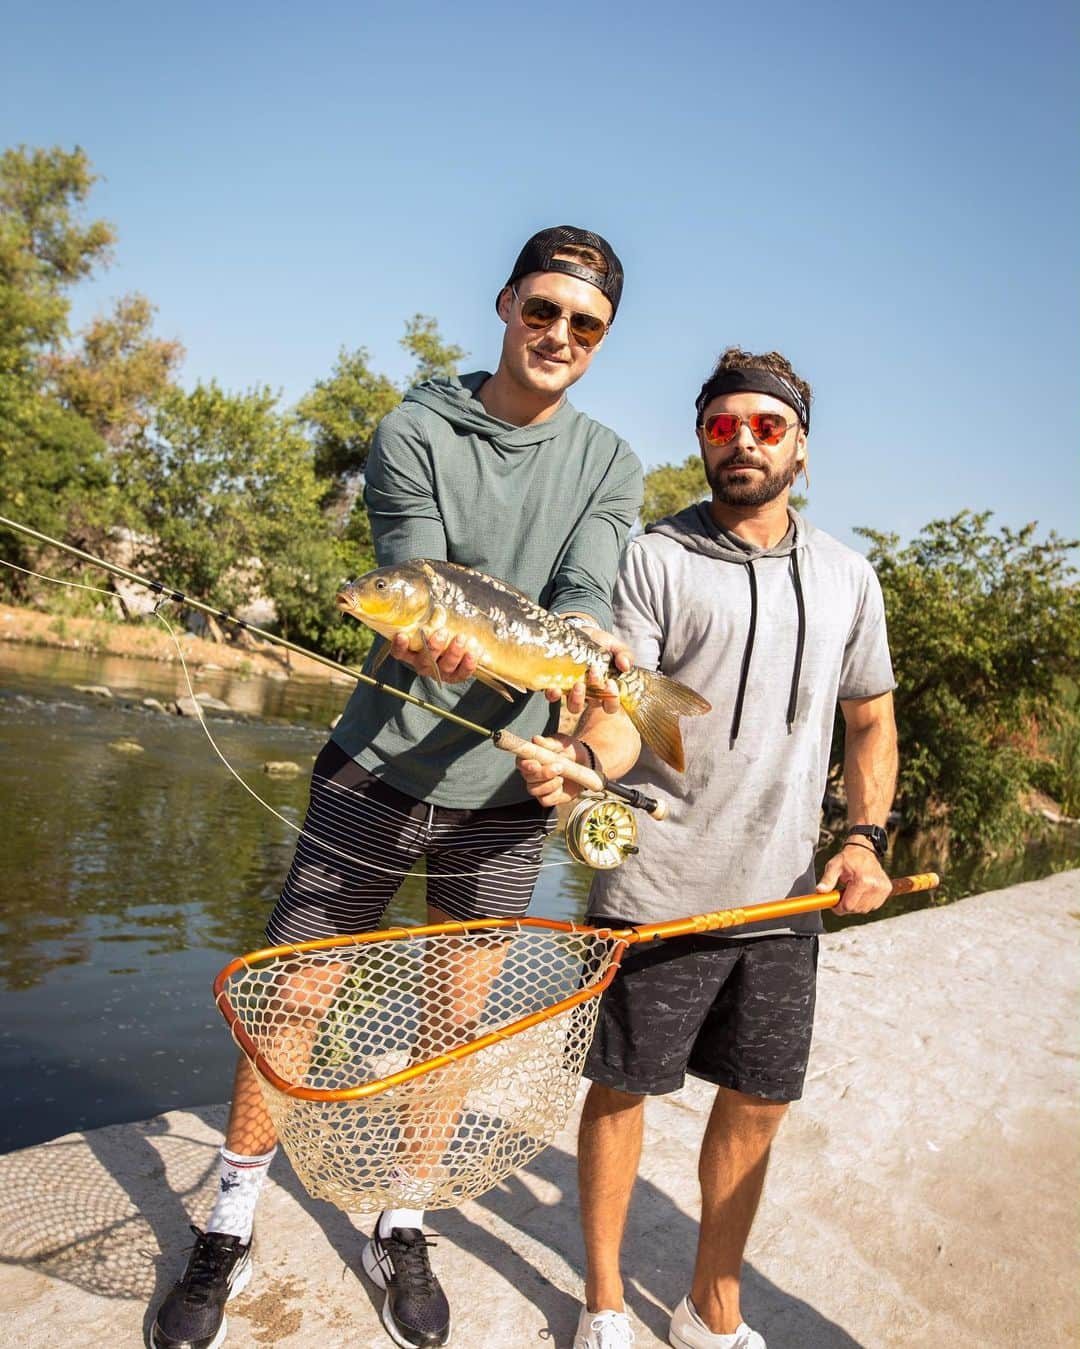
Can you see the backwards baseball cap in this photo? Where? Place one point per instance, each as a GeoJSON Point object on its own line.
{"type": "Point", "coordinates": [538, 255]}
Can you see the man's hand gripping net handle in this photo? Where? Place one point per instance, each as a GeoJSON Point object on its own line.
{"type": "Point", "coordinates": [575, 772]}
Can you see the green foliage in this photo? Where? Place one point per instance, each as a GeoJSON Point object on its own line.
{"type": "Point", "coordinates": [1057, 769]}
{"type": "Point", "coordinates": [341, 414]}
{"type": "Point", "coordinates": [53, 466]}
{"type": "Point", "coordinates": [435, 359]}
{"type": "Point", "coordinates": [229, 502]}
{"type": "Point", "coordinates": [671, 487]}
{"type": "Point", "coordinates": [217, 477]}
{"type": "Point", "coordinates": [53, 472]}
{"type": "Point", "coordinates": [120, 372]}
{"type": "Point", "coordinates": [982, 625]}
{"type": "Point", "coordinates": [44, 248]}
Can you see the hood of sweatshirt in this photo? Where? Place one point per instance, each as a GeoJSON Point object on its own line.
{"type": "Point", "coordinates": [455, 400]}
{"type": "Point", "coordinates": [698, 532]}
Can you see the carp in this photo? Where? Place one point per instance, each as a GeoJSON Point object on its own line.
{"type": "Point", "coordinates": [517, 644]}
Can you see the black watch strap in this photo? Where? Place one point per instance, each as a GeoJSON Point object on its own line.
{"type": "Point", "coordinates": [879, 839]}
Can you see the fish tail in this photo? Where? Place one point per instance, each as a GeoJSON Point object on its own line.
{"type": "Point", "coordinates": [654, 703]}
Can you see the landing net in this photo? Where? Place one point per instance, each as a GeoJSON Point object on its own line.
{"type": "Point", "coordinates": [416, 1069]}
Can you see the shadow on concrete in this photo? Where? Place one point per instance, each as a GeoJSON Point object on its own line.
{"type": "Point", "coordinates": [110, 1213]}
{"type": "Point", "coordinates": [107, 1211]}
{"type": "Point", "coordinates": [658, 1259]}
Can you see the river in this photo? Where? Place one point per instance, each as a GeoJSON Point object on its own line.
{"type": "Point", "coordinates": [131, 876]}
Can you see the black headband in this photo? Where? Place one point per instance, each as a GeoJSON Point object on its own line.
{"type": "Point", "coordinates": [754, 379]}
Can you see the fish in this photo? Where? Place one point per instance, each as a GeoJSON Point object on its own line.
{"type": "Point", "coordinates": [519, 646]}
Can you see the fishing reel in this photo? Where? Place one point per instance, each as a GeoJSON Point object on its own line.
{"type": "Point", "coordinates": [601, 832]}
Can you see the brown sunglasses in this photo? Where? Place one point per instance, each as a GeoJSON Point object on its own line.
{"type": "Point", "coordinates": [538, 313]}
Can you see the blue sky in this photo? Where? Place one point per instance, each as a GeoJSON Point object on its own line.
{"type": "Point", "coordinates": [886, 193]}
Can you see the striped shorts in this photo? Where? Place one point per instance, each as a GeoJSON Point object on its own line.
{"type": "Point", "coordinates": [361, 837]}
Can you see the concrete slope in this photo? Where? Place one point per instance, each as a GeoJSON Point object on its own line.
{"type": "Point", "coordinates": [923, 1193]}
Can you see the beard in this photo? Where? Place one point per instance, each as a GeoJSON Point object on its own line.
{"type": "Point", "coordinates": [756, 489]}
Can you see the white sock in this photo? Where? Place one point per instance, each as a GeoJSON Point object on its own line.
{"type": "Point", "coordinates": [238, 1190]}
{"type": "Point", "coordinates": [400, 1217]}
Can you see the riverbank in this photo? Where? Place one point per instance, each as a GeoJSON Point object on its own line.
{"type": "Point", "coordinates": [148, 639]}
{"type": "Point", "coordinates": [922, 1193]}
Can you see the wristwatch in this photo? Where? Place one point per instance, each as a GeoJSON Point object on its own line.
{"type": "Point", "coordinates": [879, 839]}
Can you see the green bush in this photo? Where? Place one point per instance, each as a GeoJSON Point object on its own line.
{"type": "Point", "coordinates": [983, 627]}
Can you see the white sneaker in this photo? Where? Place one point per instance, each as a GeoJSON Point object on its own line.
{"type": "Point", "coordinates": [603, 1330]}
{"type": "Point", "coordinates": [689, 1331]}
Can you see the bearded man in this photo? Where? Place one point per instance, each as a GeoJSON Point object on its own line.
{"type": "Point", "coordinates": [775, 623]}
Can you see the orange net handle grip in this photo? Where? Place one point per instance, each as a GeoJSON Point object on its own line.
{"type": "Point", "coordinates": [775, 908]}
{"type": "Point", "coordinates": [575, 772]}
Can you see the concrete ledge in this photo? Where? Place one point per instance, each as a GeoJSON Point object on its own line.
{"type": "Point", "coordinates": [923, 1193]}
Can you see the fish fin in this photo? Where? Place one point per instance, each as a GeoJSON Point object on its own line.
{"type": "Point", "coordinates": [426, 645]}
{"type": "Point", "coordinates": [380, 659]}
{"type": "Point", "coordinates": [502, 679]}
{"type": "Point", "coordinates": [486, 677]}
{"type": "Point", "coordinates": [654, 703]}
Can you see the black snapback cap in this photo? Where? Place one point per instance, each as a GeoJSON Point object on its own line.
{"type": "Point", "coordinates": [538, 255]}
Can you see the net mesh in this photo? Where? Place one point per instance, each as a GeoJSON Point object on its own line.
{"type": "Point", "coordinates": [352, 1015]}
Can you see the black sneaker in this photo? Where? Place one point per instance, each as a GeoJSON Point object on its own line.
{"type": "Point", "coordinates": [415, 1313]}
{"type": "Point", "coordinates": [193, 1314]}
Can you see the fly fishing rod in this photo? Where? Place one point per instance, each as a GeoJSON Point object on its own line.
{"type": "Point", "coordinates": [597, 840]}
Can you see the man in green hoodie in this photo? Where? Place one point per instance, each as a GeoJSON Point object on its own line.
{"type": "Point", "coordinates": [497, 472]}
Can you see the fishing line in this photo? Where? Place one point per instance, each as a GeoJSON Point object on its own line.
{"type": "Point", "coordinates": [492, 873]}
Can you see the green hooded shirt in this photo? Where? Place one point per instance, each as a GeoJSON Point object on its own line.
{"type": "Point", "coordinates": [546, 507]}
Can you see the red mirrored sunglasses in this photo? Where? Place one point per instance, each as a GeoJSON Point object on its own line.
{"type": "Point", "coordinates": [767, 428]}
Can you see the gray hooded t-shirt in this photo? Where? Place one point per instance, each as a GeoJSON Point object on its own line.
{"type": "Point", "coordinates": [697, 603]}
{"type": "Point", "coordinates": [545, 507]}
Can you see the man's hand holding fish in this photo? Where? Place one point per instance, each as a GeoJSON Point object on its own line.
{"type": "Point", "coordinates": [450, 659]}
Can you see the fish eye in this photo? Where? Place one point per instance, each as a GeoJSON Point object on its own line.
{"type": "Point", "coordinates": [380, 585]}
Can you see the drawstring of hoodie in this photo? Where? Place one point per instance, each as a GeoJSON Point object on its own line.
{"type": "Point", "coordinates": [748, 651]}
{"type": "Point", "coordinates": [800, 640]}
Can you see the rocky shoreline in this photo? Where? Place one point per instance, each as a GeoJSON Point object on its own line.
{"type": "Point", "coordinates": [145, 639]}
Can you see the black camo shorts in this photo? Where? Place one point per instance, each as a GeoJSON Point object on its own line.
{"type": "Point", "coordinates": [735, 1011]}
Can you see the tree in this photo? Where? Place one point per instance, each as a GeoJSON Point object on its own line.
{"type": "Point", "coordinates": [670, 488]}
{"type": "Point", "coordinates": [44, 249]}
{"type": "Point", "coordinates": [218, 477]}
{"type": "Point", "coordinates": [119, 373]}
{"type": "Point", "coordinates": [53, 467]}
{"type": "Point", "coordinates": [230, 505]}
{"type": "Point", "coordinates": [984, 626]}
{"type": "Point", "coordinates": [341, 414]}
{"type": "Point", "coordinates": [435, 359]}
